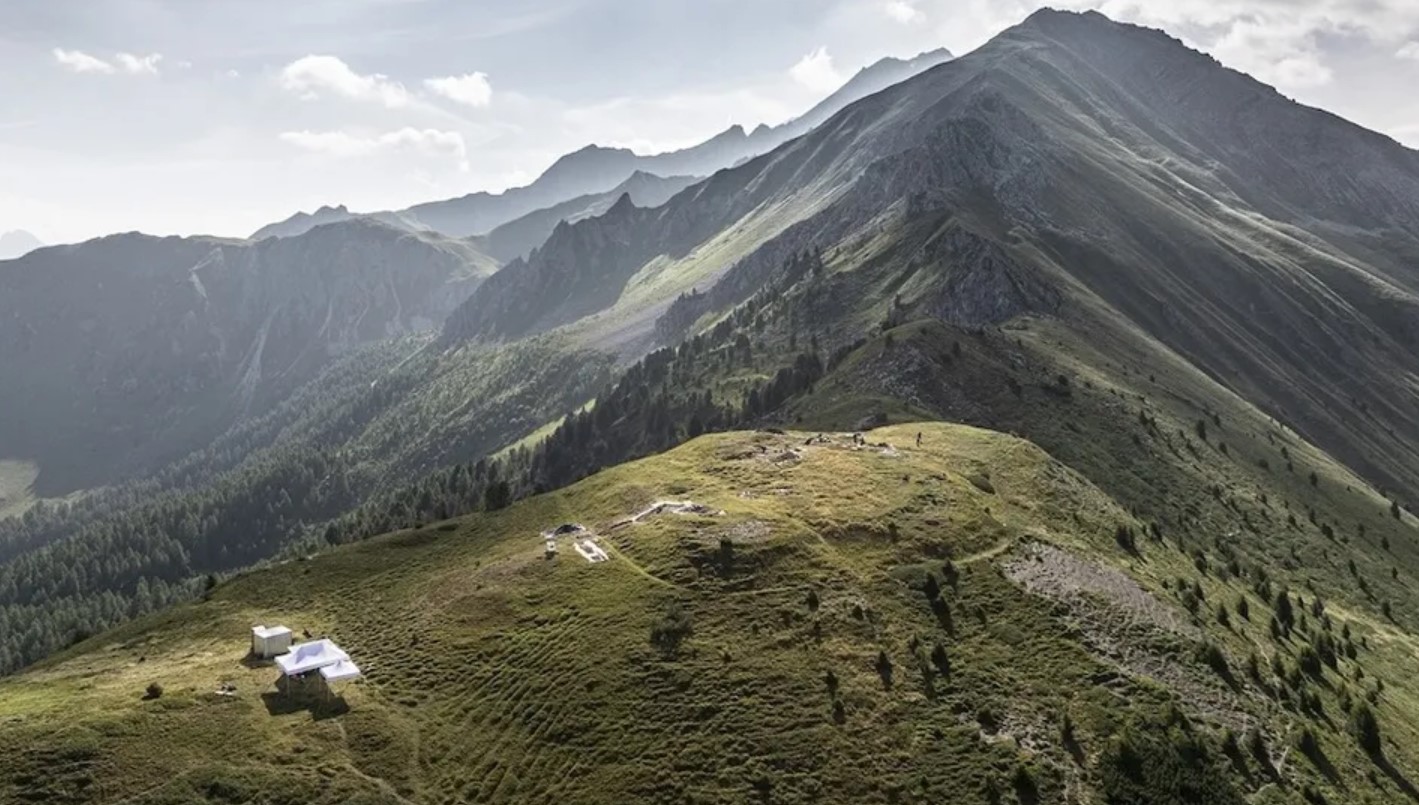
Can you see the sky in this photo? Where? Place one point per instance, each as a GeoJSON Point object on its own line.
{"type": "Point", "coordinates": [219, 116]}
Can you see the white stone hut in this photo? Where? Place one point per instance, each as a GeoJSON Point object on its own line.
{"type": "Point", "coordinates": [270, 641]}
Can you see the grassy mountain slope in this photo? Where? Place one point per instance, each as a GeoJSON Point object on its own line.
{"type": "Point", "coordinates": [372, 424]}
{"type": "Point", "coordinates": [497, 675]}
{"type": "Point", "coordinates": [542, 673]}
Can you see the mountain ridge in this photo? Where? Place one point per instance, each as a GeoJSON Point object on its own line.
{"type": "Point", "coordinates": [517, 238]}
{"type": "Point", "coordinates": [205, 329]}
{"type": "Point", "coordinates": [1022, 134]}
{"type": "Point", "coordinates": [595, 169]}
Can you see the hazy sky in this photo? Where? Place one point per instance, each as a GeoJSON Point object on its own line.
{"type": "Point", "coordinates": [183, 116]}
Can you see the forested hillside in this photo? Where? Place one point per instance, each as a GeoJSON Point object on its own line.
{"type": "Point", "coordinates": [268, 487]}
{"type": "Point", "coordinates": [123, 354]}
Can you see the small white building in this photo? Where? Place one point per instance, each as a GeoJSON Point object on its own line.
{"type": "Point", "coordinates": [270, 641]}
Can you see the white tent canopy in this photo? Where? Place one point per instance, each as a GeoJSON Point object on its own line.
{"type": "Point", "coordinates": [340, 671]}
{"type": "Point", "coordinates": [312, 656]}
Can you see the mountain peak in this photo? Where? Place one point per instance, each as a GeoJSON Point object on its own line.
{"type": "Point", "coordinates": [1053, 22]}
{"type": "Point", "coordinates": [623, 205]}
{"type": "Point", "coordinates": [638, 179]}
{"type": "Point", "coordinates": [18, 243]}
{"type": "Point", "coordinates": [1049, 15]}
{"type": "Point", "coordinates": [592, 150]}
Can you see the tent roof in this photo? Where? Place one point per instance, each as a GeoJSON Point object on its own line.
{"type": "Point", "coordinates": [265, 632]}
{"type": "Point", "coordinates": [340, 671]}
{"type": "Point", "coordinates": [305, 657]}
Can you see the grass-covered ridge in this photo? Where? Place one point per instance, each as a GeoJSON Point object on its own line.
{"type": "Point", "coordinates": [855, 627]}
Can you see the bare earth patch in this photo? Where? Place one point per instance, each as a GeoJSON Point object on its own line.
{"type": "Point", "coordinates": [669, 507]}
{"type": "Point", "coordinates": [1125, 626]}
{"type": "Point", "coordinates": [1061, 576]}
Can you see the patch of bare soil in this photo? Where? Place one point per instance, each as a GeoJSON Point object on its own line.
{"type": "Point", "coordinates": [1061, 576]}
{"type": "Point", "coordinates": [671, 507]}
{"type": "Point", "coordinates": [1125, 626]}
{"type": "Point", "coordinates": [748, 532]}
{"type": "Point", "coordinates": [789, 456]}
{"type": "Point", "coordinates": [565, 530]}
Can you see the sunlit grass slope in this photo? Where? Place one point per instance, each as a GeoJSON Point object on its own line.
{"type": "Point", "coordinates": [876, 623]}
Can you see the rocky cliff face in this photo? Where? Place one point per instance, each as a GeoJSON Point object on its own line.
{"type": "Point", "coordinates": [518, 238]}
{"type": "Point", "coordinates": [121, 352]}
{"type": "Point", "coordinates": [581, 269]}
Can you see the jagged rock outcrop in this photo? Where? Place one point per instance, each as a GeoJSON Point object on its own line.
{"type": "Point", "coordinates": [579, 270]}
{"type": "Point", "coordinates": [518, 238]}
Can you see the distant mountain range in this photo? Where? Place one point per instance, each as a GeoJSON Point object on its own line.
{"type": "Point", "coordinates": [221, 329]}
{"type": "Point", "coordinates": [150, 347]}
{"type": "Point", "coordinates": [17, 243]}
{"type": "Point", "coordinates": [595, 169]}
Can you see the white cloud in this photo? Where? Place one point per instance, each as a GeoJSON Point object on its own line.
{"type": "Point", "coordinates": [81, 62]}
{"type": "Point", "coordinates": [311, 75]}
{"type": "Point", "coordinates": [346, 145]}
{"type": "Point", "coordinates": [1289, 43]}
{"type": "Point", "coordinates": [902, 11]}
{"type": "Point", "coordinates": [816, 72]}
{"type": "Point", "coordinates": [139, 65]}
{"type": "Point", "coordinates": [233, 73]}
{"type": "Point", "coordinates": [1410, 50]}
{"type": "Point", "coordinates": [1275, 51]}
{"type": "Point", "coordinates": [472, 89]}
